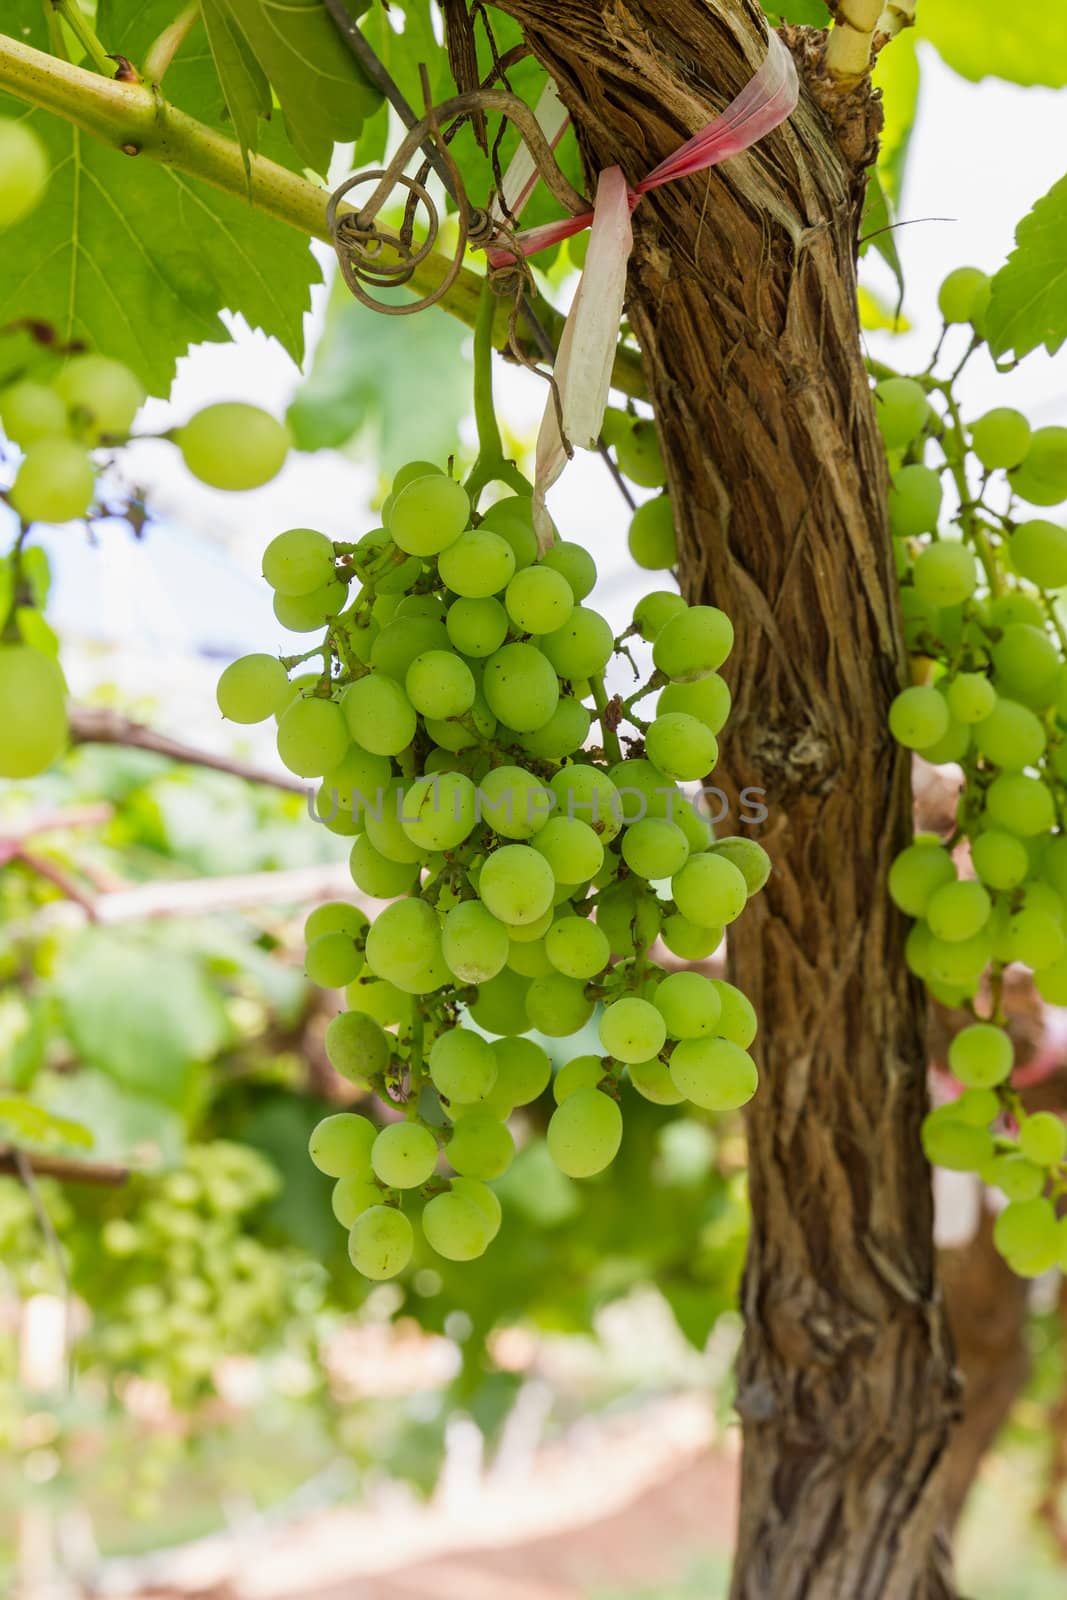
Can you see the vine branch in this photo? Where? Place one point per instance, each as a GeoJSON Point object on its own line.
{"type": "Point", "coordinates": [96, 725]}
{"type": "Point", "coordinates": [851, 43]}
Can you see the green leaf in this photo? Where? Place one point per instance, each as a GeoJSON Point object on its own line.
{"type": "Point", "coordinates": [23, 1122]}
{"type": "Point", "coordinates": [896, 74]}
{"type": "Point", "coordinates": [147, 1017]}
{"type": "Point", "coordinates": [877, 229]}
{"type": "Point", "coordinates": [1029, 304]}
{"type": "Point", "coordinates": [138, 260]}
{"type": "Point", "coordinates": [128, 1128]}
{"type": "Point", "coordinates": [367, 383]}
{"type": "Point", "coordinates": [320, 88]}
{"type": "Point", "coordinates": [1025, 42]}
{"type": "Point", "coordinates": [814, 13]}
{"type": "Point", "coordinates": [244, 83]}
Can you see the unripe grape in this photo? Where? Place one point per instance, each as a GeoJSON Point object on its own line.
{"type": "Point", "coordinates": [692, 943]}
{"type": "Point", "coordinates": [714, 1073]}
{"type": "Point", "coordinates": [523, 1069]}
{"type": "Point", "coordinates": [653, 611]}
{"type": "Point", "coordinates": [901, 409]}
{"type": "Point", "coordinates": [54, 483]}
{"type": "Point", "coordinates": [473, 943]}
{"type": "Point", "coordinates": [970, 697]}
{"type": "Point", "coordinates": [312, 737]}
{"type": "Point", "coordinates": [958, 910]}
{"type": "Point", "coordinates": [1001, 438]}
{"type": "Point", "coordinates": [750, 859]}
{"type": "Point", "coordinates": [1000, 859]}
{"type": "Point", "coordinates": [583, 791]}
{"type": "Point", "coordinates": [638, 454]}
{"type": "Point", "coordinates": [979, 1107]}
{"type": "Point", "coordinates": [516, 884]}
{"type": "Point", "coordinates": [1039, 553]}
{"type": "Point", "coordinates": [538, 600]}
{"type": "Point", "coordinates": [945, 573]}
{"type": "Point", "coordinates": [478, 564]}
{"type": "Point", "coordinates": [571, 847]}
{"type": "Point", "coordinates": [632, 1030]}
{"type": "Point", "coordinates": [351, 1197]}
{"type": "Point", "coordinates": [583, 1072]}
{"type": "Point", "coordinates": [102, 396]}
{"type": "Point", "coordinates": [918, 717]}
{"type": "Point", "coordinates": [693, 643]}
{"type": "Point", "coordinates": [654, 848]}
{"type": "Point", "coordinates": [512, 518]}
{"type": "Point", "coordinates": [477, 627]}
{"type": "Point", "coordinates": [357, 1046]}
{"type": "Point", "coordinates": [1020, 805]}
{"type": "Point", "coordinates": [514, 803]}
{"type": "Point", "coordinates": [1011, 736]}
{"type": "Point", "coordinates": [378, 999]}
{"type": "Point", "coordinates": [653, 1081]}
{"type": "Point", "coordinates": [456, 1228]}
{"type": "Point", "coordinates": [577, 947]}
{"type": "Point", "coordinates": [963, 294]}
{"type": "Point", "coordinates": [651, 538]}
{"type": "Point", "coordinates": [914, 501]}
{"type": "Point", "coordinates": [376, 875]}
{"type": "Point", "coordinates": [708, 699]}
{"type": "Point", "coordinates": [1041, 479]}
{"type": "Point", "coordinates": [33, 728]}
{"type": "Point", "coordinates": [252, 689]}
{"type": "Point", "coordinates": [1026, 664]}
{"type": "Point", "coordinates": [520, 687]}
{"type": "Point", "coordinates": [341, 1145]}
{"type": "Point", "coordinates": [557, 1005]}
{"type": "Point", "coordinates": [1026, 1235]}
{"type": "Point", "coordinates": [681, 746]}
{"type": "Point", "coordinates": [584, 1133]}
{"type": "Point", "coordinates": [404, 1155]}
{"type": "Point", "coordinates": [404, 946]}
{"type": "Point", "coordinates": [428, 515]}
{"type": "Point", "coordinates": [981, 1056]}
{"type": "Point", "coordinates": [332, 960]}
{"type": "Point", "coordinates": [575, 564]}
{"type": "Point", "coordinates": [24, 171]}
{"type": "Point", "coordinates": [381, 1242]}
{"type": "Point", "coordinates": [1035, 938]}
{"type": "Point", "coordinates": [689, 1004]}
{"type": "Point", "coordinates": [462, 1065]}
{"type": "Point", "coordinates": [298, 561]}
{"type": "Point", "coordinates": [234, 446]}
{"type": "Point", "coordinates": [709, 891]}
{"type": "Point", "coordinates": [951, 1143]}
{"type": "Point", "coordinates": [501, 1004]}
{"type": "Point", "coordinates": [581, 648]}
{"type": "Point", "coordinates": [480, 1146]}
{"type": "Point", "coordinates": [737, 1018]}
{"type": "Point", "coordinates": [379, 715]}
{"type": "Point", "coordinates": [1043, 1138]}
{"type": "Point", "coordinates": [31, 411]}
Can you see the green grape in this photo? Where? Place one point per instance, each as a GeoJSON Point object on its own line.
{"type": "Point", "coordinates": [1014, 607]}
{"type": "Point", "coordinates": [716, 1074]}
{"type": "Point", "coordinates": [623, 913]}
{"type": "Point", "coordinates": [477, 627]}
{"type": "Point", "coordinates": [520, 687]}
{"type": "Point", "coordinates": [945, 573]}
{"type": "Point", "coordinates": [901, 409]}
{"type": "Point", "coordinates": [652, 541]}
{"type": "Point", "coordinates": [750, 859]}
{"type": "Point", "coordinates": [693, 643]}
{"type": "Point", "coordinates": [688, 941]}
{"type": "Point", "coordinates": [581, 648]}
{"type": "Point", "coordinates": [963, 294]}
{"type": "Point", "coordinates": [440, 685]}
{"type": "Point", "coordinates": [584, 1133]}
{"type": "Point", "coordinates": [689, 1004]}
{"type": "Point", "coordinates": [681, 746]}
{"type": "Point", "coordinates": [954, 1144]}
{"type": "Point", "coordinates": [958, 910]}
{"type": "Point", "coordinates": [1035, 938]}
{"type": "Point", "coordinates": [376, 875]}
{"type": "Point", "coordinates": [952, 745]}
{"type": "Point", "coordinates": [454, 736]}
{"type": "Point", "coordinates": [439, 811]}
{"type": "Point", "coordinates": [1011, 736]}
{"type": "Point", "coordinates": [979, 1107]}
{"type": "Point", "coordinates": [653, 611]}
{"type": "Point", "coordinates": [359, 781]}
{"type": "Point", "coordinates": [233, 446]}
{"type": "Point", "coordinates": [585, 792]}
{"type": "Point", "coordinates": [1039, 553]}
{"type": "Point", "coordinates": [575, 564]}
{"type": "Point", "coordinates": [513, 802]}
{"type": "Point", "coordinates": [462, 1066]}
{"type": "Point", "coordinates": [959, 961]}
{"type": "Point", "coordinates": [54, 483]}
{"type": "Point", "coordinates": [512, 518]}
{"type": "Point", "coordinates": [584, 1072]}
{"type": "Point", "coordinates": [341, 1145]}
{"type": "Point", "coordinates": [572, 849]}
{"type": "Point", "coordinates": [709, 891]}
{"type": "Point", "coordinates": [351, 1197]}
{"type": "Point", "coordinates": [737, 1019]}
{"type": "Point", "coordinates": [298, 561]}
{"type": "Point", "coordinates": [970, 697]}
{"type": "Point", "coordinates": [642, 790]}
{"type": "Point", "coordinates": [557, 1006]}
{"type": "Point", "coordinates": [336, 916]}
{"type": "Point", "coordinates": [1043, 1138]}
{"type": "Point", "coordinates": [428, 514]}
{"type": "Point", "coordinates": [1001, 438]}
{"type": "Point", "coordinates": [516, 884]}
{"type": "Point", "coordinates": [480, 563]}
{"type": "Point", "coordinates": [378, 999]}
{"type": "Point", "coordinates": [357, 1046]}
{"type": "Point", "coordinates": [980, 1056]}
{"type": "Point", "coordinates": [24, 171]}
{"type": "Point", "coordinates": [918, 717]}
{"type": "Point", "coordinates": [501, 1003]}
{"type": "Point", "coordinates": [1019, 805]}
{"type": "Point", "coordinates": [563, 734]}
{"type": "Point", "coordinates": [914, 501]}
{"type": "Point", "coordinates": [577, 947]}
{"type": "Point", "coordinates": [1041, 479]}
{"type": "Point", "coordinates": [1014, 1176]}
{"type": "Point", "coordinates": [332, 960]}
{"type": "Point", "coordinates": [480, 1146]}
{"type": "Point", "coordinates": [1027, 1236]}
{"type": "Point", "coordinates": [529, 958]}
{"type": "Point", "coordinates": [1026, 664]}
{"type": "Point", "coordinates": [379, 715]}
{"type": "Point", "coordinates": [653, 1081]}
{"type": "Point", "coordinates": [307, 613]}
{"type": "Point", "coordinates": [632, 1030]}
{"type": "Point", "coordinates": [102, 396]}
{"type": "Point", "coordinates": [381, 1242]}
{"type": "Point", "coordinates": [638, 454]}
{"type": "Point", "coordinates": [708, 699]}
{"type": "Point", "coordinates": [404, 1155]}
{"type": "Point", "coordinates": [654, 848]}
{"type": "Point", "coordinates": [412, 470]}
{"type": "Point", "coordinates": [33, 729]}
{"type": "Point", "coordinates": [30, 411]}
{"type": "Point", "coordinates": [538, 600]}
{"type": "Point", "coordinates": [480, 1195]}
{"type": "Point", "coordinates": [312, 737]}
{"type": "Point", "coordinates": [252, 688]}
{"type": "Point", "coordinates": [523, 1069]}
{"type": "Point", "coordinates": [473, 943]}
{"type": "Point", "coordinates": [456, 1228]}
{"type": "Point", "coordinates": [404, 946]}
{"type": "Point", "coordinates": [532, 931]}
{"type": "Point", "coordinates": [999, 859]}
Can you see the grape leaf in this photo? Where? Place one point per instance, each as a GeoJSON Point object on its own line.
{"type": "Point", "coordinates": [877, 229]}
{"type": "Point", "coordinates": [1025, 42]}
{"type": "Point", "coordinates": [896, 74]}
{"type": "Point", "coordinates": [1029, 304]}
{"type": "Point", "coordinates": [138, 260]}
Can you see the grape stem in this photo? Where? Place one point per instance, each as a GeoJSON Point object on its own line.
{"type": "Point", "coordinates": [968, 519]}
{"type": "Point", "coordinates": [612, 748]}
{"type": "Point", "coordinates": [78, 24]}
{"type": "Point", "coordinates": [491, 465]}
{"type": "Point", "coordinates": [411, 1110]}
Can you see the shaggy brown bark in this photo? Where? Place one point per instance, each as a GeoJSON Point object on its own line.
{"type": "Point", "coordinates": [742, 294]}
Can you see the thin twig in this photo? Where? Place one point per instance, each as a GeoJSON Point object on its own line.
{"type": "Point", "coordinates": [67, 886]}
{"type": "Point", "coordinates": [195, 897]}
{"type": "Point", "coordinates": [102, 1174]}
{"type": "Point", "coordinates": [14, 829]}
{"type": "Point", "coordinates": [98, 725]}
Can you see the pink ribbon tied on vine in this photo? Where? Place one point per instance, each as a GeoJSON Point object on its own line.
{"type": "Point", "coordinates": [586, 352]}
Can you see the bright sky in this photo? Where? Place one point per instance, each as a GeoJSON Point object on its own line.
{"type": "Point", "coordinates": [981, 155]}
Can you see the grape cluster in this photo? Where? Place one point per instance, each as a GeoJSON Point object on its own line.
{"type": "Point", "coordinates": [529, 870]}
{"type": "Point", "coordinates": [989, 694]}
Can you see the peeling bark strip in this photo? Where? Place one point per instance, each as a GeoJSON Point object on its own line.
{"type": "Point", "coordinates": [742, 293]}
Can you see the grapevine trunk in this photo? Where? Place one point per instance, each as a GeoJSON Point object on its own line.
{"type": "Point", "coordinates": [742, 294]}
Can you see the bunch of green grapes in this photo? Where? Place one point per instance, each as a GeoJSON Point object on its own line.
{"type": "Point", "coordinates": [984, 623]}
{"type": "Point", "coordinates": [530, 870]}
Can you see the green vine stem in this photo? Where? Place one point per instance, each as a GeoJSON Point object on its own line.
{"type": "Point", "coordinates": [162, 51]}
{"type": "Point", "coordinates": [612, 748]}
{"type": "Point", "coordinates": [132, 118]}
{"type": "Point", "coordinates": [79, 25]}
{"type": "Point", "coordinates": [491, 465]}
